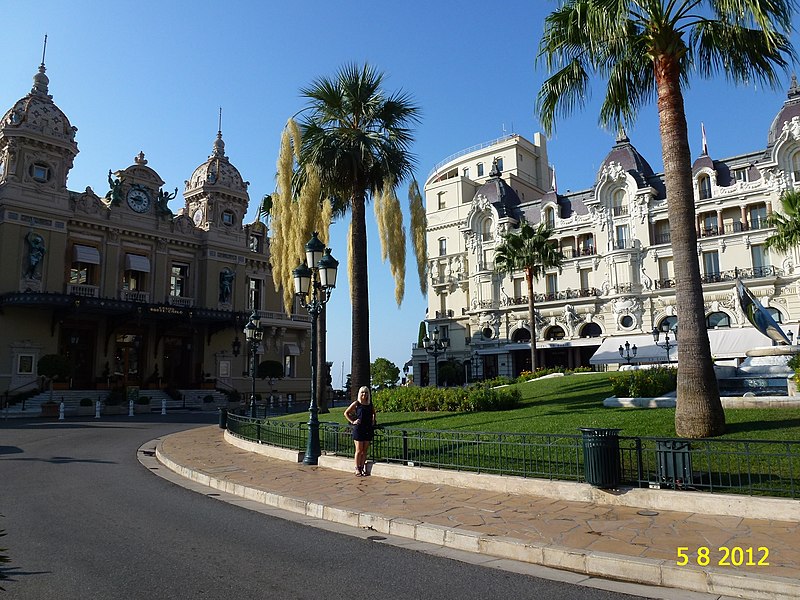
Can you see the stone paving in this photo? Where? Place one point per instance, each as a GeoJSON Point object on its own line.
{"type": "Point", "coordinates": [616, 530]}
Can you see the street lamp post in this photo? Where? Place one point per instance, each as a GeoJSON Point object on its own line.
{"type": "Point", "coordinates": [318, 280]}
{"type": "Point", "coordinates": [253, 334]}
{"type": "Point", "coordinates": [666, 343]}
{"type": "Point", "coordinates": [435, 347]}
{"type": "Point", "coordinates": [475, 365]}
{"type": "Point", "coordinates": [628, 352]}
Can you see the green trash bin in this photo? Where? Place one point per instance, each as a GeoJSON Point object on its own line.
{"type": "Point", "coordinates": [601, 457]}
{"type": "Point", "coordinates": [223, 418]}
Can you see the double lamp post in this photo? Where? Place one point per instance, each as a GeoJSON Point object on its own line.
{"type": "Point", "coordinates": [313, 286]}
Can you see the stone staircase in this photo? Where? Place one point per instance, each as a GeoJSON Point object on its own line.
{"type": "Point", "coordinates": [191, 400]}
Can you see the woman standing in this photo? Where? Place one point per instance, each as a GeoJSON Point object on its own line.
{"type": "Point", "coordinates": [361, 415]}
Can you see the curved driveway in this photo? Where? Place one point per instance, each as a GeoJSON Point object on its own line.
{"type": "Point", "coordinates": [84, 519]}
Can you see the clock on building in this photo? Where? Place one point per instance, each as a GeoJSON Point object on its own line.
{"type": "Point", "coordinates": [197, 217]}
{"type": "Point", "coordinates": [138, 200]}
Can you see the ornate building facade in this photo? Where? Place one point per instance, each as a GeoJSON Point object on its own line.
{"type": "Point", "coordinates": [616, 283]}
{"type": "Point", "coordinates": [131, 293]}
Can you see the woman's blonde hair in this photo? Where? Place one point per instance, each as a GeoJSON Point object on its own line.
{"type": "Point", "coordinates": [364, 388]}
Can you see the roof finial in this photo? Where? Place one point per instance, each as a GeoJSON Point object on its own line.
{"type": "Point", "coordinates": [219, 145]}
{"type": "Point", "coordinates": [794, 89]}
{"type": "Point", "coordinates": [219, 128]}
{"type": "Point", "coordinates": [621, 135]}
{"type": "Point", "coordinates": [40, 80]}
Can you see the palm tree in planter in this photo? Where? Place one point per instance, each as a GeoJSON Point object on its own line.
{"type": "Point", "coordinates": [529, 250]}
{"type": "Point", "coordinates": [355, 141]}
{"type": "Point", "coordinates": [650, 48]}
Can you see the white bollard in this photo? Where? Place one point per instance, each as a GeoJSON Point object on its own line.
{"type": "Point", "coordinates": [97, 409]}
{"type": "Point", "coordinates": [130, 408]}
{"type": "Point", "coordinates": [61, 411]}
{"type": "Point", "coordinates": [164, 407]}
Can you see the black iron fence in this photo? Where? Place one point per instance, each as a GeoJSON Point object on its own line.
{"type": "Point", "coordinates": [752, 467]}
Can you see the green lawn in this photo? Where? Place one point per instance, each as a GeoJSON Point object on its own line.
{"type": "Point", "coordinates": [563, 404]}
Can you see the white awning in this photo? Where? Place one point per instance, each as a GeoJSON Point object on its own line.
{"type": "Point", "coordinates": [85, 254]}
{"type": "Point", "coordinates": [137, 262]}
{"type": "Point", "coordinates": [725, 343]}
{"type": "Point", "coordinates": [291, 349]}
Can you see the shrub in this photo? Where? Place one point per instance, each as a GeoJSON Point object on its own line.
{"type": "Point", "coordinates": [115, 397]}
{"type": "Point", "coordinates": [143, 400]}
{"type": "Point", "coordinates": [794, 365]}
{"type": "Point", "coordinates": [53, 366]}
{"type": "Point", "coordinates": [501, 380]}
{"type": "Point", "coordinates": [645, 383]}
{"type": "Point", "coordinates": [475, 398]}
{"type": "Point", "coordinates": [208, 399]}
{"type": "Point", "coordinates": [86, 402]}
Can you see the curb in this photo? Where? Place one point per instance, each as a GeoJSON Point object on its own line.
{"type": "Point", "coordinates": [610, 566]}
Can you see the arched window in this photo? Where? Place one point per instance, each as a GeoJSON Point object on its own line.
{"type": "Point", "coordinates": [668, 324]}
{"type": "Point", "coordinates": [520, 336]}
{"type": "Point", "coordinates": [554, 333]}
{"type": "Point", "coordinates": [718, 319]}
{"type": "Point", "coordinates": [704, 186]}
{"type": "Point", "coordinates": [550, 218]}
{"type": "Point", "coordinates": [618, 207]}
{"type": "Point", "coordinates": [796, 167]}
{"type": "Point", "coordinates": [591, 330]}
{"type": "Point", "coordinates": [486, 229]}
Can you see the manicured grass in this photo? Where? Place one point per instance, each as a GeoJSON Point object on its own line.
{"type": "Point", "coordinates": [563, 404]}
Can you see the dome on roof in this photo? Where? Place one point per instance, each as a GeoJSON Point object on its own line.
{"type": "Point", "coordinates": [36, 115]}
{"type": "Point", "coordinates": [499, 194]}
{"type": "Point", "coordinates": [628, 157]}
{"type": "Point", "coordinates": [789, 110]}
{"type": "Point", "coordinates": [218, 172]}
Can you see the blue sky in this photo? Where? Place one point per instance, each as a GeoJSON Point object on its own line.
{"type": "Point", "coordinates": [150, 75]}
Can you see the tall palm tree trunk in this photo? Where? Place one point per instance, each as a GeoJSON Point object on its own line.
{"type": "Point", "coordinates": [531, 317]}
{"type": "Point", "coordinates": [359, 298]}
{"type": "Point", "coordinates": [699, 411]}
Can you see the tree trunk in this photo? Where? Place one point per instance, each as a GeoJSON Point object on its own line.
{"type": "Point", "coordinates": [531, 317]}
{"type": "Point", "coordinates": [322, 357]}
{"type": "Point", "coordinates": [699, 411]}
{"type": "Point", "coordinates": [359, 298]}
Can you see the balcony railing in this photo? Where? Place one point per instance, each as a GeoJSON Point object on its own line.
{"type": "Point", "coordinates": [662, 238]}
{"type": "Point", "coordinates": [83, 290]}
{"type": "Point", "coordinates": [737, 273]}
{"type": "Point", "coordinates": [134, 296]}
{"type": "Point", "coordinates": [619, 211]}
{"type": "Point", "coordinates": [561, 295]}
{"type": "Point", "coordinates": [570, 252]}
{"type": "Point", "coordinates": [622, 244]}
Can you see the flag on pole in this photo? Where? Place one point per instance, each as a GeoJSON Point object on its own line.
{"type": "Point", "coordinates": [705, 144]}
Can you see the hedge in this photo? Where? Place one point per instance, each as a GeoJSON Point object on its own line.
{"type": "Point", "coordinates": [422, 399]}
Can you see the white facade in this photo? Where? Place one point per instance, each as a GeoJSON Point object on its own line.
{"type": "Point", "coordinates": [616, 284]}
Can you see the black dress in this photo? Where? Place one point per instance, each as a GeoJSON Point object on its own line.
{"type": "Point", "coordinates": [364, 430]}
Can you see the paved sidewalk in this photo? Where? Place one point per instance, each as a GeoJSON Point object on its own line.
{"type": "Point", "coordinates": [617, 542]}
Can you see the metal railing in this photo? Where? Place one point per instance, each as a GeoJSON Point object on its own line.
{"type": "Point", "coordinates": [751, 467]}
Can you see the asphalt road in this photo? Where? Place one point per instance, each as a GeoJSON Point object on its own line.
{"type": "Point", "coordinates": [85, 520]}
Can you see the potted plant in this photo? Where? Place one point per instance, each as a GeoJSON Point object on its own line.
{"type": "Point", "coordinates": [208, 383]}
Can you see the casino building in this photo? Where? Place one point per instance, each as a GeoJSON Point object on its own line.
{"type": "Point", "coordinates": [130, 293]}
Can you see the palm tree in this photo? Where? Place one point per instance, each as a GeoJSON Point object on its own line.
{"type": "Point", "coordinates": [356, 139]}
{"type": "Point", "coordinates": [647, 48]}
{"type": "Point", "coordinates": [531, 251]}
{"type": "Point", "coordinates": [787, 234]}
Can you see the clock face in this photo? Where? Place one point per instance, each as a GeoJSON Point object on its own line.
{"type": "Point", "coordinates": [138, 200]}
{"type": "Point", "coordinates": [197, 217]}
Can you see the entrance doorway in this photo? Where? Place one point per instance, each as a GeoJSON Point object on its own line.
{"type": "Point", "coordinates": [177, 362]}
{"type": "Point", "coordinates": [127, 359]}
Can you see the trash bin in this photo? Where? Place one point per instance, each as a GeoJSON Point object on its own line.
{"type": "Point", "coordinates": [601, 457]}
{"type": "Point", "coordinates": [223, 418]}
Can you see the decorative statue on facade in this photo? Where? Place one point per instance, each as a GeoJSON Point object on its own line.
{"type": "Point", "coordinates": [226, 277]}
{"type": "Point", "coordinates": [36, 250]}
{"type": "Point", "coordinates": [162, 208]}
{"type": "Point", "coordinates": [114, 195]}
